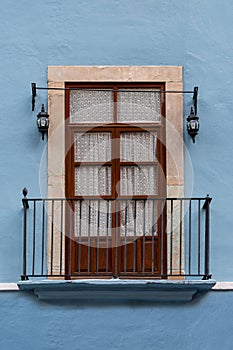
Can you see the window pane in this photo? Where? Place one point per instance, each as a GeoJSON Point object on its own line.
{"type": "Point", "coordinates": [88, 106]}
{"type": "Point", "coordinates": [138, 217]}
{"type": "Point", "coordinates": [92, 180]}
{"type": "Point", "coordinates": [93, 218]}
{"type": "Point", "coordinates": [138, 180]}
{"type": "Point", "coordinates": [138, 105]}
{"type": "Point", "coordinates": [138, 146]}
{"type": "Point", "coordinates": [92, 147]}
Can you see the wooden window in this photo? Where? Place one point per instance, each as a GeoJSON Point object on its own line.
{"type": "Point", "coordinates": [115, 171]}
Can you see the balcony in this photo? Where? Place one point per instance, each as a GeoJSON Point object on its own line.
{"type": "Point", "coordinates": [95, 238]}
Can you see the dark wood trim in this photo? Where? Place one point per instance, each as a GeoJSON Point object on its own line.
{"type": "Point", "coordinates": [93, 127]}
{"type": "Point", "coordinates": [115, 129]}
{"type": "Point", "coordinates": [115, 107]}
{"type": "Point", "coordinates": [115, 85]}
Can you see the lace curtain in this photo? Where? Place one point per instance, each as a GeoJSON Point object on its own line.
{"type": "Point", "coordinates": [93, 218]}
{"type": "Point", "coordinates": [137, 105]}
{"type": "Point", "coordinates": [88, 106]}
{"type": "Point", "coordinates": [93, 181]}
{"type": "Point", "coordinates": [138, 146]}
{"type": "Point", "coordinates": [133, 105]}
{"type": "Point", "coordinates": [92, 147]}
{"type": "Point", "coordinates": [136, 217]}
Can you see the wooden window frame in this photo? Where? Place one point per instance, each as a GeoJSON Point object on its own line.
{"type": "Point", "coordinates": [115, 128]}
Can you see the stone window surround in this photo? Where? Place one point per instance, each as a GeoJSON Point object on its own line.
{"type": "Point", "coordinates": [171, 76]}
{"type": "Point", "coordinates": [59, 75]}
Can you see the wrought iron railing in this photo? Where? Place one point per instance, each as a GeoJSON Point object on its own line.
{"type": "Point", "coordinates": [127, 238]}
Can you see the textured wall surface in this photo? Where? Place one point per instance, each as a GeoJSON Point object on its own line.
{"type": "Point", "coordinates": [195, 34]}
{"type": "Point", "coordinates": [29, 324]}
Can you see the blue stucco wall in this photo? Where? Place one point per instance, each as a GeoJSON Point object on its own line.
{"type": "Point", "coordinates": [53, 32]}
{"type": "Point", "coordinates": [195, 34]}
{"type": "Point", "coordinates": [205, 324]}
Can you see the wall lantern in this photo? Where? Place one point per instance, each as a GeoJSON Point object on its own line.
{"type": "Point", "coordinates": [192, 124]}
{"type": "Point", "coordinates": [193, 120]}
{"type": "Point", "coordinates": [43, 121]}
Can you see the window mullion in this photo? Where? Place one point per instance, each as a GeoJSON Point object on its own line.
{"type": "Point", "coordinates": [115, 100]}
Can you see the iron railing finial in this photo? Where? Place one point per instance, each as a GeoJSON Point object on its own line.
{"type": "Point", "coordinates": [25, 200]}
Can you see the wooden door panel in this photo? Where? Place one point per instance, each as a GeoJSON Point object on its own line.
{"type": "Point", "coordinates": [140, 257]}
{"type": "Point", "coordinates": [127, 161]}
{"type": "Point", "coordinates": [92, 259]}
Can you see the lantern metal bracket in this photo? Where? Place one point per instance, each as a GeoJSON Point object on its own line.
{"type": "Point", "coordinates": [33, 96]}
{"type": "Point", "coordinates": [34, 88]}
{"type": "Point", "coordinates": [195, 93]}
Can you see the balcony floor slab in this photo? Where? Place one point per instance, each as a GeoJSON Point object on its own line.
{"type": "Point", "coordinates": [117, 289]}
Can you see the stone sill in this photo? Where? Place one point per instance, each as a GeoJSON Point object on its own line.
{"type": "Point", "coordinates": [117, 289]}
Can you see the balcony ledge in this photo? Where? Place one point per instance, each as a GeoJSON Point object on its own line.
{"type": "Point", "coordinates": [117, 289]}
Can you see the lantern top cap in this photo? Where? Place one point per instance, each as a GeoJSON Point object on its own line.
{"type": "Point", "coordinates": [42, 113]}
{"type": "Point", "coordinates": [192, 115]}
